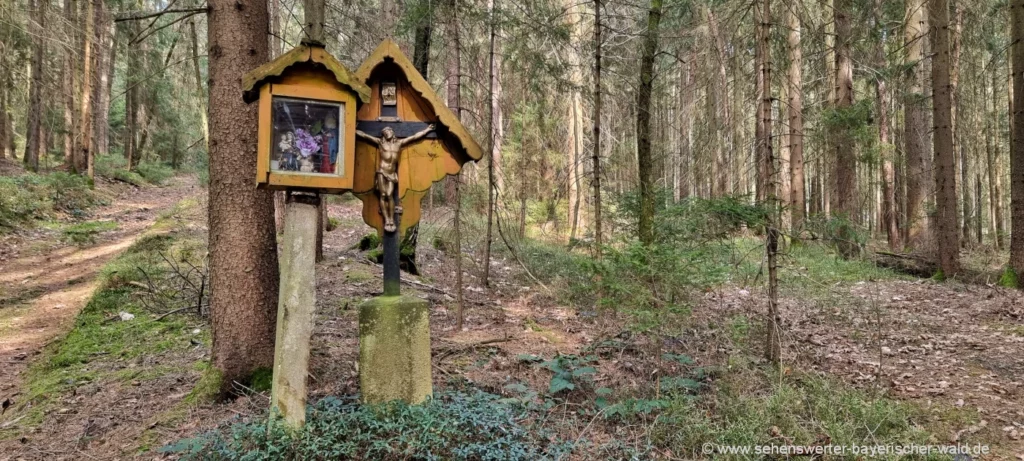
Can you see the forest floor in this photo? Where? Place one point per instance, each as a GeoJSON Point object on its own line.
{"type": "Point", "coordinates": [48, 273]}
{"type": "Point", "coordinates": [952, 350]}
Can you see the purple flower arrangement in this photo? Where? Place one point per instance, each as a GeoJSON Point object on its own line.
{"type": "Point", "coordinates": [306, 143]}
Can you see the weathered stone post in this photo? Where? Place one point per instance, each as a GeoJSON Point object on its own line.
{"type": "Point", "coordinates": [296, 309]}
{"type": "Point", "coordinates": [394, 337]}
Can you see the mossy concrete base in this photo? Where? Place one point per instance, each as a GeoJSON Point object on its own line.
{"type": "Point", "coordinates": [394, 350]}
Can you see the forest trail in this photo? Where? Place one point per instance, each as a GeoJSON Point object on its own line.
{"type": "Point", "coordinates": [44, 284]}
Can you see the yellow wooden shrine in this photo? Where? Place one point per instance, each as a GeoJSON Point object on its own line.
{"type": "Point", "coordinates": [400, 98]}
{"type": "Point", "coordinates": [307, 120]}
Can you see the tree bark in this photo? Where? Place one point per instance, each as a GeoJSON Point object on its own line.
{"type": "Point", "coordinates": [995, 181]}
{"type": "Point", "coordinates": [83, 145]}
{"type": "Point", "coordinates": [844, 190]}
{"type": "Point", "coordinates": [888, 179]}
{"type": "Point", "coordinates": [946, 230]}
{"type": "Point", "coordinates": [645, 162]}
{"type": "Point", "coordinates": [34, 136]}
{"type": "Point", "coordinates": [919, 164]}
{"type": "Point", "coordinates": [243, 248]}
{"type": "Point", "coordinates": [766, 182]}
{"type": "Point", "coordinates": [100, 95]}
{"type": "Point", "coordinates": [494, 128]}
{"type": "Point", "coordinates": [68, 75]}
{"type": "Point", "coordinates": [1016, 146]}
{"type": "Point", "coordinates": [596, 157]}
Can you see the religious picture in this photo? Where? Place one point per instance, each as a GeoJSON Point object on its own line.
{"type": "Point", "coordinates": [307, 136]}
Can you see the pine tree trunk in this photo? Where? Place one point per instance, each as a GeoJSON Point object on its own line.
{"type": "Point", "coordinates": [645, 162]}
{"type": "Point", "coordinates": [243, 248]}
{"type": "Point", "coordinates": [454, 78]}
{"type": "Point", "coordinates": [1016, 146]}
{"type": "Point", "coordinates": [68, 78]}
{"type": "Point", "coordinates": [796, 119]}
{"type": "Point", "coordinates": [494, 126]}
{"type": "Point", "coordinates": [995, 181]}
{"type": "Point", "coordinates": [844, 189]}
{"type": "Point", "coordinates": [100, 96]}
{"type": "Point", "coordinates": [888, 179]}
{"type": "Point", "coordinates": [919, 181]}
{"type": "Point", "coordinates": [34, 136]}
{"type": "Point", "coordinates": [83, 145]}
{"type": "Point", "coordinates": [596, 119]}
{"type": "Point", "coordinates": [946, 229]}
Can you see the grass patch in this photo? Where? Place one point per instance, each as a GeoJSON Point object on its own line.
{"type": "Point", "coordinates": [750, 408]}
{"type": "Point", "coordinates": [85, 232]}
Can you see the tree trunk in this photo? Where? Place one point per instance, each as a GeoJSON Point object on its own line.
{"type": "Point", "coordinates": [796, 119]}
{"type": "Point", "coordinates": [5, 105]}
{"type": "Point", "coordinates": [243, 249]}
{"type": "Point", "coordinates": [888, 179]}
{"type": "Point", "coordinates": [454, 78]}
{"type": "Point", "coordinates": [995, 181]}
{"type": "Point", "coordinates": [946, 230]}
{"type": "Point", "coordinates": [919, 162]}
{"type": "Point", "coordinates": [100, 96]}
{"type": "Point", "coordinates": [575, 143]}
{"type": "Point", "coordinates": [596, 157]}
{"type": "Point", "coordinates": [68, 76]}
{"type": "Point", "coordinates": [83, 153]}
{"type": "Point", "coordinates": [844, 191]}
{"type": "Point", "coordinates": [766, 182]}
{"type": "Point", "coordinates": [494, 128]}
{"type": "Point", "coordinates": [645, 162]}
{"type": "Point", "coordinates": [200, 92]}
{"type": "Point", "coordinates": [34, 135]}
{"type": "Point", "coordinates": [725, 126]}
{"type": "Point", "coordinates": [1016, 146]}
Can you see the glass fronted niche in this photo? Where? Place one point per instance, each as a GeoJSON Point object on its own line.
{"type": "Point", "coordinates": [307, 136]}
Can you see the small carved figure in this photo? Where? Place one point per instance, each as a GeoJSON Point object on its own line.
{"type": "Point", "coordinates": [386, 180]}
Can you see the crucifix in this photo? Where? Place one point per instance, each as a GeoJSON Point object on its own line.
{"type": "Point", "coordinates": [385, 182]}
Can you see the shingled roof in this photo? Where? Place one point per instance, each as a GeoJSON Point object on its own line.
{"type": "Point", "coordinates": [252, 81]}
{"type": "Point", "coordinates": [388, 50]}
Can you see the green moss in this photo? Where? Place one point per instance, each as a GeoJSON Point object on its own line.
{"type": "Point", "coordinates": [208, 387]}
{"type": "Point", "coordinates": [939, 276]}
{"type": "Point", "coordinates": [369, 242]}
{"type": "Point", "coordinates": [262, 379]}
{"type": "Point", "coordinates": [357, 276]}
{"type": "Point", "coordinates": [1009, 278]}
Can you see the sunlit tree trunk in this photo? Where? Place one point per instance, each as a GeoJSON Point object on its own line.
{"type": "Point", "coordinates": [494, 127]}
{"type": "Point", "coordinates": [797, 200]}
{"type": "Point", "coordinates": [83, 145]}
{"type": "Point", "coordinates": [995, 180]}
{"type": "Point", "coordinates": [645, 162]}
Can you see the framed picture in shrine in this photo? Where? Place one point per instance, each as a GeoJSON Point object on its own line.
{"type": "Point", "coordinates": [306, 137]}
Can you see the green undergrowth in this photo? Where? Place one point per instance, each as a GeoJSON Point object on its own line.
{"type": "Point", "coordinates": [754, 408]}
{"type": "Point", "coordinates": [115, 330]}
{"type": "Point", "coordinates": [455, 425]}
{"type": "Point", "coordinates": [29, 197]}
{"type": "Point", "coordinates": [145, 173]}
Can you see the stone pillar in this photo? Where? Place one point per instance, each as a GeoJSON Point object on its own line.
{"type": "Point", "coordinates": [295, 310]}
{"type": "Point", "coordinates": [394, 350]}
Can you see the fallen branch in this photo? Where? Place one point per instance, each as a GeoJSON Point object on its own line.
{"type": "Point", "coordinates": [444, 352]}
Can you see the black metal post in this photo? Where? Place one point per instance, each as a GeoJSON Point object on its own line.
{"type": "Point", "coordinates": [392, 249]}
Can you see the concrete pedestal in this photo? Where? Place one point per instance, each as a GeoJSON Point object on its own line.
{"type": "Point", "coordinates": [394, 350]}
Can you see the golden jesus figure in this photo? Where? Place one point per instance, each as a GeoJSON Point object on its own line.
{"type": "Point", "coordinates": [386, 180]}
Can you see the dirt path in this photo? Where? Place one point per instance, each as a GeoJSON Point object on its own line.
{"type": "Point", "coordinates": [44, 283]}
